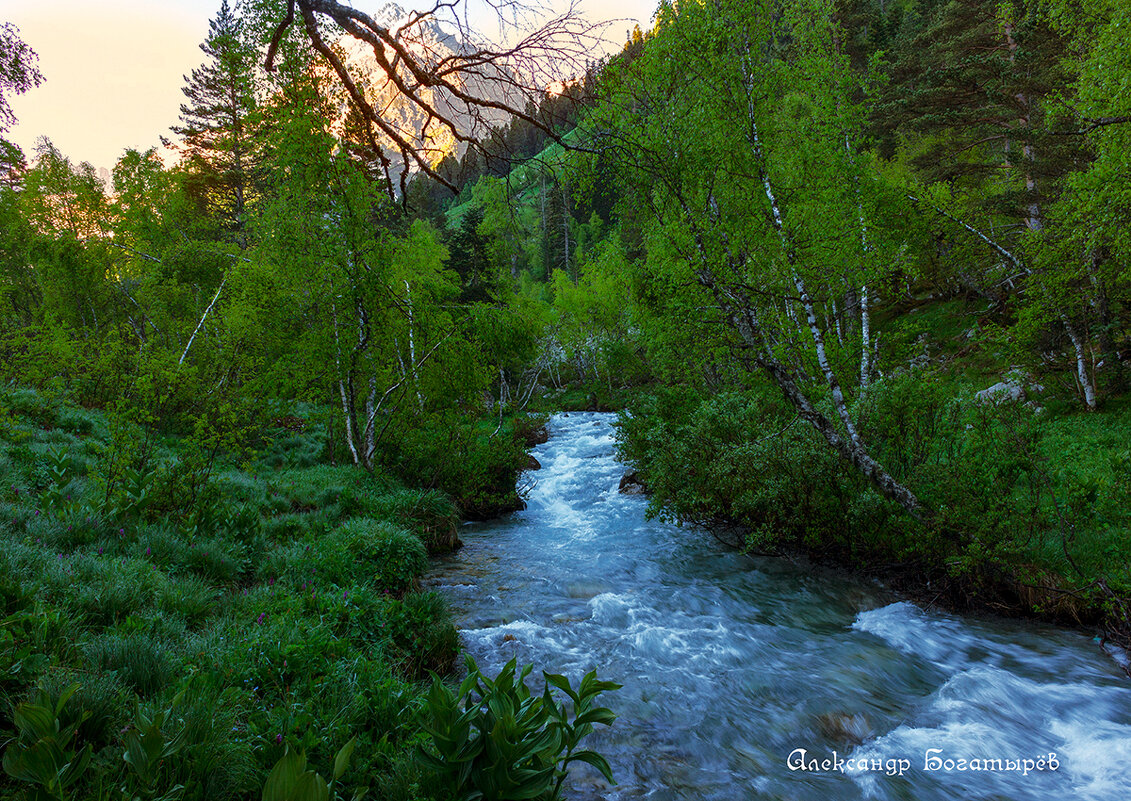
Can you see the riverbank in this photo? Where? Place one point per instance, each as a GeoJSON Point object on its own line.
{"type": "Point", "coordinates": [243, 590]}
{"type": "Point", "coordinates": [1028, 517]}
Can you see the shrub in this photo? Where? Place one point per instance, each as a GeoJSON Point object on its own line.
{"type": "Point", "coordinates": [422, 634]}
{"type": "Point", "coordinates": [454, 455]}
{"type": "Point", "coordinates": [363, 550]}
{"type": "Point", "coordinates": [429, 514]}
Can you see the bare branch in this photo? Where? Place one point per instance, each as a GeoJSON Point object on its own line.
{"type": "Point", "coordinates": [456, 85]}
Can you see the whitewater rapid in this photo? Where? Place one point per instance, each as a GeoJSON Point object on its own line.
{"type": "Point", "coordinates": [754, 678]}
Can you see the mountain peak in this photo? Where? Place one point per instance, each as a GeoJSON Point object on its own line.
{"type": "Point", "coordinates": [390, 13]}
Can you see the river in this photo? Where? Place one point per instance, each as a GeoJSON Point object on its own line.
{"type": "Point", "coordinates": [748, 678]}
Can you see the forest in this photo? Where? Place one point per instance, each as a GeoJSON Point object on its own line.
{"type": "Point", "coordinates": [854, 273]}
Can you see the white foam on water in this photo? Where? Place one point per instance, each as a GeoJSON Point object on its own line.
{"type": "Point", "coordinates": [906, 628]}
{"type": "Point", "coordinates": [1097, 755]}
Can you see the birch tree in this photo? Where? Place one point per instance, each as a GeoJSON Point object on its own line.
{"type": "Point", "coordinates": [742, 109]}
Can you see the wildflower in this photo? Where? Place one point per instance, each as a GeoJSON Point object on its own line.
{"type": "Point", "coordinates": [345, 594]}
{"type": "Point", "coordinates": [148, 550]}
{"type": "Point", "coordinates": [37, 515]}
{"type": "Point", "coordinates": [270, 582]}
{"type": "Point", "coordinates": [262, 617]}
{"type": "Point", "coordinates": [100, 550]}
{"type": "Point", "coordinates": [278, 739]}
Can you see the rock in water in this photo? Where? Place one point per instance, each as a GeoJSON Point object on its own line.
{"type": "Point", "coordinates": [630, 484]}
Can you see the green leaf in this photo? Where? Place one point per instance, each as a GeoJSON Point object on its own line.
{"type": "Point", "coordinates": [594, 759]}
{"type": "Point", "coordinates": [284, 776]}
{"type": "Point", "coordinates": [599, 715]}
{"type": "Point", "coordinates": [341, 761]}
{"type": "Point", "coordinates": [310, 787]}
{"type": "Point", "coordinates": [562, 683]}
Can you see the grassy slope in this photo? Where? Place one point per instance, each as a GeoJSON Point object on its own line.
{"type": "Point", "coordinates": [287, 610]}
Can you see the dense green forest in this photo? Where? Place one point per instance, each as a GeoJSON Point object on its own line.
{"type": "Point", "coordinates": [855, 273]}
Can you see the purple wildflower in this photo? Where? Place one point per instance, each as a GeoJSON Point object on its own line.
{"type": "Point", "coordinates": [278, 739]}
{"type": "Point", "coordinates": [148, 550]}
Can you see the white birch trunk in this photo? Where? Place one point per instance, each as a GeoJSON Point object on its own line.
{"type": "Point", "coordinates": [1086, 385]}
{"type": "Point", "coordinates": [865, 339]}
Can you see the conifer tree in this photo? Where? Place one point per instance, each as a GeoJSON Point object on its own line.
{"type": "Point", "coordinates": [214, 123]}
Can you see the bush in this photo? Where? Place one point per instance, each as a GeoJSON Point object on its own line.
{"type": "Point", "coordinates": [429, 514]}
{"type": "Point", "coordinates": [369, 551]}
{"type": "Point", "coordinates": [456, 456]}
{"type": "Point", "coordinates": [737, 458]}
{"type": "Point", "coordinates": [422, 634]}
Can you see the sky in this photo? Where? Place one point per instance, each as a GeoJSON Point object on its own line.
{"type": "Point", "coordinates": [114, 68]}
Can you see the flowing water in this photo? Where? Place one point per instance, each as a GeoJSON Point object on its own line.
{"type": "Point", "coordinates": [732, 665]}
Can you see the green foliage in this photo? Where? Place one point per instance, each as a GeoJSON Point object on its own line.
{"type": "Point", "coordinates": [363, 550]}
{"type": "Point", "coordinates": [290, 780]}
{"type": "Point", "coordinates": [44, 753]}
{"type": "Point", "coordinates": [457, 456]}
{"type": "Point", "coordinates": [148, 746]}
{"type": "Point", "coordinates": [423, 638]}
{"type": "Point", "coordinates": [493, 739]}
{"type": "Point", "coordinates": [738, 458]}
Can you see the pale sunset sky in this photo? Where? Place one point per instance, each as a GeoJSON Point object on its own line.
{"type": "Point", "coordinates": [114, 68]}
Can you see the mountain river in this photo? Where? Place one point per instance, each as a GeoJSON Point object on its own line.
{"type": "Point", "coordinates": [748, 678]}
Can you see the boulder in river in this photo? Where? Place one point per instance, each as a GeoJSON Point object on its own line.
{"type": "Point", "coordinates": [630, 484]}
{"type": "Point", "coordinates": [843, 727]}
{"type": "Point", "coordinates": [531, 463]}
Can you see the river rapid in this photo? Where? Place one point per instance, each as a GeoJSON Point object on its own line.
{"type": "Point", "coordinates": [749, 678]}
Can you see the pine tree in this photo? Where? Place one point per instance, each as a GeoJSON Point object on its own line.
{"type": "Point", "coordinates": [970, 93]}
{"type": "Point", "coordinates": [214, 123]}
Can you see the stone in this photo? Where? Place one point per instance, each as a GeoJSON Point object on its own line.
{"type": "Point", "coordinates": [630, 484]}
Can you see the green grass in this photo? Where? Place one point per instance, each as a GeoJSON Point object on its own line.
{"type": "Point", "coordinates": [281, 608]}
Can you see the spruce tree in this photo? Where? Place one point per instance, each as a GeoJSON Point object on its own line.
{"type": "Point", "coordinates": [972, 83]}
{"type": "Point", "coordinates": [214, 124]}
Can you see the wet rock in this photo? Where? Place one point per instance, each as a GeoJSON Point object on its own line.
{"type": "Point", "coordinates": [537, 436]}
{"type": "Point", "coordinates": [531, 463]}
{"type": "Point", "coordinates": [844, 727]}
{"type": "Point", "coordinates": [630, 484]}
